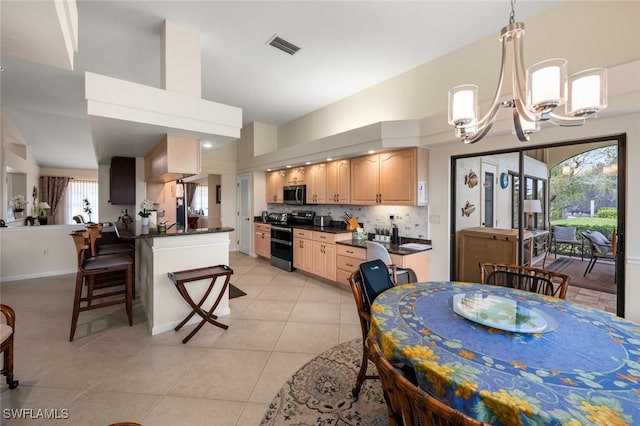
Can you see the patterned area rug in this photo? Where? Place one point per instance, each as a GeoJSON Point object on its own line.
{"type": "Point", "coordinates": [320, 393]}
{"type": "Point", "coordinates": [601, 278]}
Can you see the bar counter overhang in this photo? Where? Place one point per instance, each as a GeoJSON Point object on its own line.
{"type": "Point", "coordinates": [175, 250]}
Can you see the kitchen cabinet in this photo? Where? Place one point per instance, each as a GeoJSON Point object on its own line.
{"type": "Point", "coordinates": [296, 176]}
{"type": "Point", "coordinates": [275, 181]}
{"type": "Point", "coordinates": [262, 239]}
{"type": "Point", "coordinates": [316, 181]}
{"type": "Point", "coordinates": [175, 157]}
{"type": "Point", "coordinates": [348, 259]}
{"type": "Point", "coordinates": [338, 182]}
{"type": "Point", "coordinates": [324, 254]}
{"type": "Point", "coordinates": [390, 178]}
{"type": "Point", "coordinates": [479, 244]}
{"type": "Point", "coordinates": [419, 262]}
{"type": "Point", "coordinates": [122, 181]}
{"type": "Point", "coordinates": [303, 249]}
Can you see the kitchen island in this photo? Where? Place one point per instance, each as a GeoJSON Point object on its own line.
{"type": "Point", "coordinates": [158, 254]}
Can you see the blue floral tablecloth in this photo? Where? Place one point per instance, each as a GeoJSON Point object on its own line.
{"type": "Point", "coordinates": [583, 370]}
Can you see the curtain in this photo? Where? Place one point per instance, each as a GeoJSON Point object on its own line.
{"type": "Point", "coordinates": [190, 187]}
{"type": "Point", "coordinates": [52, 190]}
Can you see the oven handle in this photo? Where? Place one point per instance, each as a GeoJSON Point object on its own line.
{"type": "Point", "coordinates": [284, 229]}
{"type": "Point", "coordinates": [275, 240]}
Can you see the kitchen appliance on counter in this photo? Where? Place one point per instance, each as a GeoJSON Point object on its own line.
{"type": "Point", "coordinates": [322, 220]}
{"type": "Point", "coordinates": [295, 194]}
{"type": "Point", "coordinates": [282, 236]}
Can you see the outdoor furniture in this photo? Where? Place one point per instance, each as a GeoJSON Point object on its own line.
{"type": "Point", "coordinates": [213, 273]}
{"type": "Point", "coordinates": [565, 235]}
{"type": "Point", "coordinates": [7, 331]}
{"type": "Point", "coordinates": [362, 296]}
{"type": "Point", "coordinates": [526, 278]}
{"type": "Point", "coordinates": [600, 247]}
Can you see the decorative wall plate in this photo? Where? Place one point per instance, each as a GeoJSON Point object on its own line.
{"type": "Point", "coordinates": [504, 180]}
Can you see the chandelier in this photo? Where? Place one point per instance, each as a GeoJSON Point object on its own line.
{"type": "Point", "coordinates": [538, 93]}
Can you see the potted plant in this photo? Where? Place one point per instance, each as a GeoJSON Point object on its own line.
{"type": "Point", "coordinates": [87, 208]}
{"type": "Point", "coordinates": [41, 212]}
{"type": "Point", "coordinates": [147, 207]}
{"type": "Point", "coordinates": [18, 203]}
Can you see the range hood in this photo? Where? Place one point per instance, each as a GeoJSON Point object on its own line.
{"type": "Point", "coordinates": [129, 119]}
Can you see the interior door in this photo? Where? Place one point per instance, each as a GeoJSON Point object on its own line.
{"type": "Point", "coordinates": [244, 213]}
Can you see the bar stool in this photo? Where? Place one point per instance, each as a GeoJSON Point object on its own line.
{"type": "Point", "coordinates": [98, 249]}
{"type": "Point", "coordinates": [102, 265]}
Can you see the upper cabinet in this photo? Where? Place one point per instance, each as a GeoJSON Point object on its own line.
{"type": "Point", "coordinates": [175, 157]}
{"type": "Point", "coordinates": [338, 178]}
{"type": "Point", "coordinates": [390, 178]}
{"type": "Point", "coordinates": [316, 181]}
{"type": "Point", "coordinates": [275, 181]}
{"type": "Point", "coordinates": [122, 181]}
{"type": "Point", "coordinates": [296, 176]}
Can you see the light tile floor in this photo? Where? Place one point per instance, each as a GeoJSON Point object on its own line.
{"type": "Point", "coordinates": [112, 372]}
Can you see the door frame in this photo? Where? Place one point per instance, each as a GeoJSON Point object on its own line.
{"type": "Point", "coordinates": [620, 139]}
{"type": "Point", "coordinates": [243, 221]}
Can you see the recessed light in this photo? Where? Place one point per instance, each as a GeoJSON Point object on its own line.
{"type": "Point", "coordinates": [329, 159]}
{"type": "Point", "coordinates": [371, 151]}
{"type": "Point", "coordinates": [207, 144]}
{"type": "Point", "coordinates": [288, 166]}
{"type": "Point", "coordinates": [268, 170]}
{"type": "Point", "coordinates": [307, 163]}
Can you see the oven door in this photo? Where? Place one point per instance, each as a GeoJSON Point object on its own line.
{"type": "Point", "coordinates": [282, 242]}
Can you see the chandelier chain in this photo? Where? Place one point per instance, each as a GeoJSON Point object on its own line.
{"type": "Point", "coordinates": [512, 15]}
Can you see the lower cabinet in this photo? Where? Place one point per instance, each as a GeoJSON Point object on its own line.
{"type": "Point", "coordinates": [348, 259]}
{"type": "Point", "coordinates": [303, 249]}
{"type": "Point", "coordinates": [262, 239]}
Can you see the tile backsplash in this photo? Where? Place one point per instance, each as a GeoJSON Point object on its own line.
{"type": "Point", "coordinates": [411, 221]}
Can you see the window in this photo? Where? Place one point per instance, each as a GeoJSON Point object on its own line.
{"type": "Point", "coordinates": [200, 203]}
{"type": "Point", "coordinates": [77, 191]}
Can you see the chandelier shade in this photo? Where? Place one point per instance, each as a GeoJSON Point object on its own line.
{"type": "Point", "coordinates": [539, 94]}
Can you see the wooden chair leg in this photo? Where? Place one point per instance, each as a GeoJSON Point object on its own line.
{"type": "Point", "coordinates": [76, 304]}
{"type": "Point", "coordinates": [362, 374]}
{"type": "Point", "coordinates": [129, 297]}
{"type": "Point", "coordinates": [8, 367]}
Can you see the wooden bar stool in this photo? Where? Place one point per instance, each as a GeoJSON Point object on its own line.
{"type": "Point", "coordinates": [100, 249]}
{"type": "Point", "coordinates": [213, 272]}
{"type": "Point", "coordinates": [91, 267]}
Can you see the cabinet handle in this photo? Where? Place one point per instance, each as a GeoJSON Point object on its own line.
{"type": "Point", "coordinates": [324, 238]}
{"type": "Point", "coordinates": [348, 264]}
{"type": "Point", "coordinates": [349, 251]}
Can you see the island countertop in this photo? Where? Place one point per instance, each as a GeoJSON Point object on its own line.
{"type": "Point", "coordinates": [135, 230]}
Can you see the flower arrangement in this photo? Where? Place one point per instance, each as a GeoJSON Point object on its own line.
{"type": "Point", "coordinates": [86, 205]}
{"type": "Point", "coordinates": [147, 206]}
{"type": "Point", "coordinates": [18, 203]}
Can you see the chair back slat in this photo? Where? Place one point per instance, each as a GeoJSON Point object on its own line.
{"type": "Point", "coordinates": [526, 278]}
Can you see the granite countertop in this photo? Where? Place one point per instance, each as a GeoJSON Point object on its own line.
{"type": "Point", "coordinates": [331, 229]}
{"type": "Point", "coordinates": [135, 230]}
{"type": "Point", "coordinates": [393, 248]}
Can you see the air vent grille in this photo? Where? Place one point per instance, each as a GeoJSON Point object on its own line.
{"type": "Point", "coordinates": [284, 45]}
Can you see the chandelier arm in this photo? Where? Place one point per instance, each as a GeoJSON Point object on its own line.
{"type": "Point", "coordinates": [522, 136]}
{"type": "Point", "coordinates": [519, 82]}
{"type": "Point", "coordinates": [486, 122]}
{"type": "Point", "coordinates": [564, 121]}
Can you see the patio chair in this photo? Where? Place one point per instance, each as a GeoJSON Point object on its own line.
{"type": "Point", "coordinates": [600, 247]}
{"type": "Point", "coordinates": [526, 278]}
{"type": "Point", "coordinates": [364, 294]}
{"type": "Point", "coordinates": [565, 235]}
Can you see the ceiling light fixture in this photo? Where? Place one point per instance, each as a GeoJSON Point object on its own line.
{"type": "Point", "coordinates": [537, 92]}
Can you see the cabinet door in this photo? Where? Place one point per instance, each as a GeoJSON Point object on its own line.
{"type": "Point", "coordinates": [365, 185]}
{"type": "Point", "coordinates": [324, 260]}
{"type": "Point", "coordinates": [275, 182]}
{"type": "Point", "coordinates": [303, 254]}
{"type": "Point", "coordinates": [338, 182]}
{"type": "Point", "coordinates": [316, 176]}
{"type": "Point", "coordinates": [122, 181]}
{"type": "Point", "coordinates": [398, 183]}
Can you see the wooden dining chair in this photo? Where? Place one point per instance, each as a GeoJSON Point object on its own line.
{"type": "Point", "coordinates": [117, 267]}
{"type": "Point", "coordinates": [363, 306]}
{"type": "Point", "coordinates": [408, 404]}
{"type": "Point", "coordinates": [7, 333]}
{"type": "Point", "coordinates": [526, 278]}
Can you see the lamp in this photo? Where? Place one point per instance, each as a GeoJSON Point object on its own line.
{"type": "Point", "coordinates": [530, 207]}
{"type": "Point", "coordinates": [537, 93]}
{"type": "Point", "coordinates": [42, 212]}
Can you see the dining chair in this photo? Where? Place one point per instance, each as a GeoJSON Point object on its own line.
{"type": "Point", "coordinates": [600, 247]}
{"type": "Point", "coordinates": [526, 278]}
{"type": "Point", "coordinates": [116, 268]}
{"type": "Point", "coordinates": [78, 218]}
{"type": "Point", "coordinates": [363, 307]}
{"type": "Point", "coordinates": [7, 332]}
{"type": "Point", "coordinates": [376, 250]}
{"type": "Point", "coordinates": [408, 404]}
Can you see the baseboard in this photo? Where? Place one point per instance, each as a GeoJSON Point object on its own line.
{"type": "Point", "coordinates": [38, 275]}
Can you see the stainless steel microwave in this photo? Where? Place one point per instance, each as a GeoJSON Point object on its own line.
{"type": "Point", "coordinates": [295, 194]}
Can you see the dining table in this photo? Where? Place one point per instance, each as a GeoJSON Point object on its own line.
{"type": "Point", "coordinates": [510, 357]}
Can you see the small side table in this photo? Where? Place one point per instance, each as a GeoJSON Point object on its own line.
{"type": "Point", "coordinates": [213, 272]}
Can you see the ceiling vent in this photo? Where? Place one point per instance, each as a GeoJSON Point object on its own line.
{"type": "Point", "coordinates": [284, 45]}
